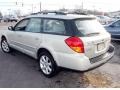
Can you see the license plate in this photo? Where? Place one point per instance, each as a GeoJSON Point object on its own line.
{"type": "Point", "coordinates": [100, 46]}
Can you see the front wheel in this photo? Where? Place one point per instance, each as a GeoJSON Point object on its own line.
{"type": "Point", "coordinates": [4, 46]}
{"type": "Point", "coordinates": [47, 64]}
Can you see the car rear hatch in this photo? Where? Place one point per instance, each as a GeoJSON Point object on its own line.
{"type": "Point", "coordinates": [95, 46]}
{"type": "Point", "coordinates": [95, 38]}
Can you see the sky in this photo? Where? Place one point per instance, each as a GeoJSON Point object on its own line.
{"type": "Point", "coordinates": [7, 6]}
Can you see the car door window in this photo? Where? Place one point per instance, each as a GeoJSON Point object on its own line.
{"type": "Point", "coordinates": [34, 25]}
{"type": "Point", "coordinates": [21, 26]}
{"type": "Point", "coordinates": [54, 27]}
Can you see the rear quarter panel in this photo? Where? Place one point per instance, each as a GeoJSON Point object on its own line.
{"type": "Point", "coordinates": [56, 45]}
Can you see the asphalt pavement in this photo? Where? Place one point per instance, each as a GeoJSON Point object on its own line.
{"type": "Point", "coordinates": [18, 70]}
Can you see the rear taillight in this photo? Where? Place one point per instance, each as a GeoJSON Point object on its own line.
{"type": "Point", "coordinates": [75, 44]}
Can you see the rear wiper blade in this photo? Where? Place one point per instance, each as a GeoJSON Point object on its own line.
{"type": "Point", "coordinates": [92, 34]}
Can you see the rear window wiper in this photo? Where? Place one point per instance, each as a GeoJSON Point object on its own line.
{"type": "Point", "coordinates": [92, 34]}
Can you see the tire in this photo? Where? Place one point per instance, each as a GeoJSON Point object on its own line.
{"type": "Point", "coordinates": [5, 46]}
{"type": "Point", "coordinates": [47, 64]}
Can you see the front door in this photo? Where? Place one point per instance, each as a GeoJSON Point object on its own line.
{"type": "Point", "coordinates": [32, 38]}
{"type": "Point", "coordinates": [15, 36]}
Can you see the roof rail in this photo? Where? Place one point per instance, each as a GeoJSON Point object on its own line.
{"type": "Point", "coordinates": [79, 13]}
{"type": "Point", "coordinates": [47, 12]}
{"type": "Point", "coordinates": [59, 13]}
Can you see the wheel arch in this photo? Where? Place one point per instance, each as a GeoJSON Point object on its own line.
{"type": "Point", "coordinates": [51, 52]}
{"type": "Point", "coordinates": [3, 37]}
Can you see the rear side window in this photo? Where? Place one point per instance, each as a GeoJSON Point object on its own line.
{"type": "Point", "coordinates": [34, 25]}
{"type": "Point", "coordinates": [89, 27]}
{"type": "Point", "coordinates": [54, 27]}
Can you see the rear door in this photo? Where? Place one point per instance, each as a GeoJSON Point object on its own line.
{"type": "Point", "coordinates": [54, 35]}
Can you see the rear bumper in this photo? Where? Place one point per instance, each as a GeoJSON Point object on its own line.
{"type": "Point", "coordinates": [82, 63]}
{"type": "Point", "coordinates": [97, 61]}
{"type": "Point", "coordinates": [106, 55]}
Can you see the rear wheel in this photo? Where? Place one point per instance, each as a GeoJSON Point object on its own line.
{"type": "Point", "coordinates": [4, 46]}
{"type": "Point", "coordinates": [47, 64]}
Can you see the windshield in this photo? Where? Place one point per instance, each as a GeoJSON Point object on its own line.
{"type": "Point", "coordinates": [89, 27]}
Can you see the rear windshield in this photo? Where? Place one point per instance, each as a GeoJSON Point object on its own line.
{"type": "Point", "coordinates": [89, 27]}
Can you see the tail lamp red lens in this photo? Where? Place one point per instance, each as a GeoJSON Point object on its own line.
{"type": "Point", "coordinates": [75, 44]}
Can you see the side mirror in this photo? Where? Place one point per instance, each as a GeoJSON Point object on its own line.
{"type": "Point", "coordinates": [11, 28]}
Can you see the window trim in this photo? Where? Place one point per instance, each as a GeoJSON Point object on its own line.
{"type": "Point", "coordinates": [69, 26]}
